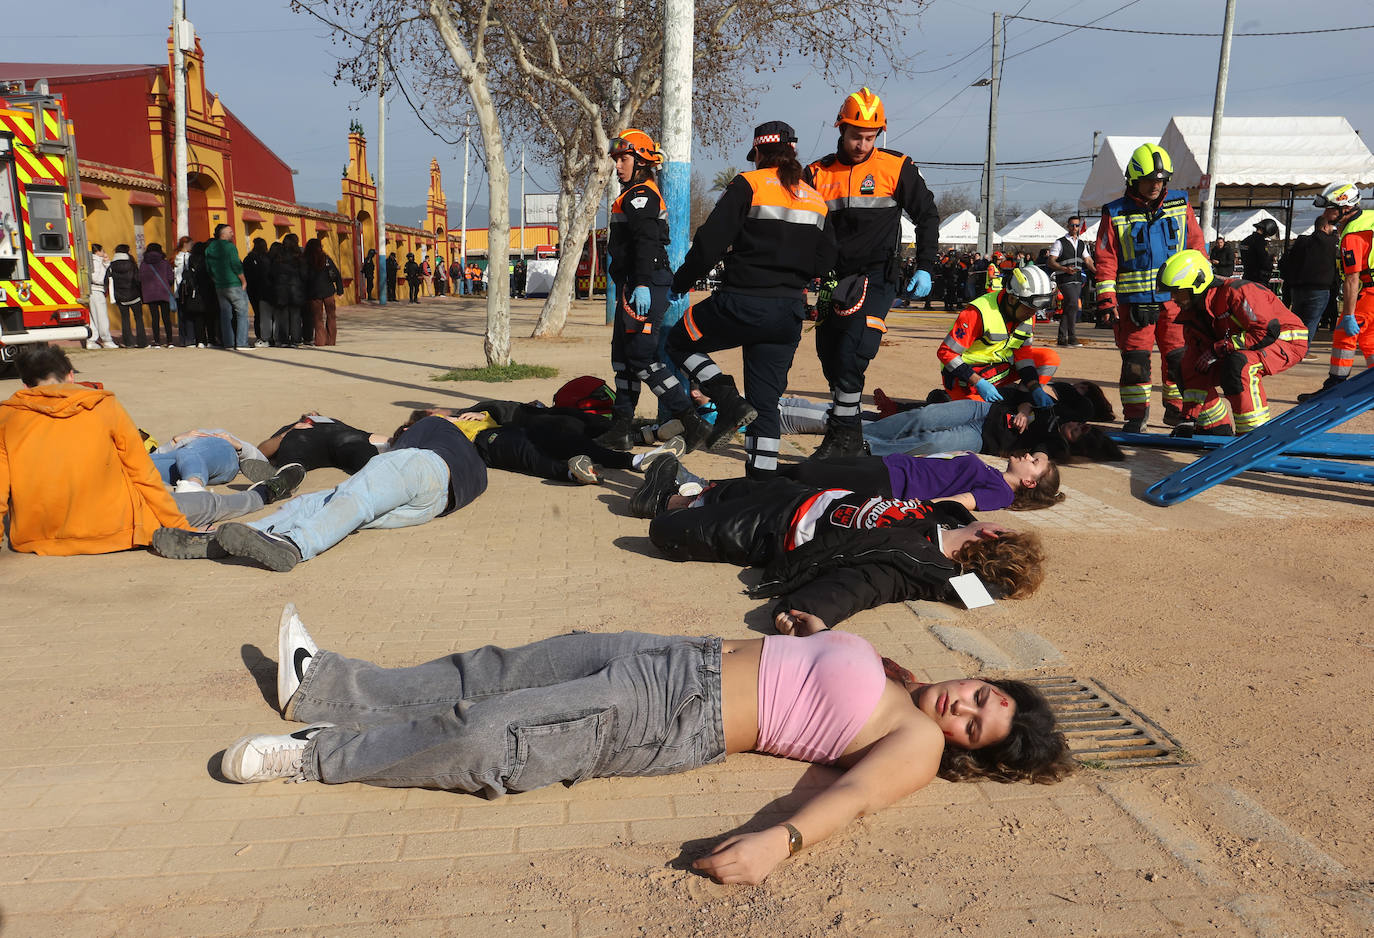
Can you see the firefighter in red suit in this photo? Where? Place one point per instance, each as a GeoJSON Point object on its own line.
{"type": "Point", "coordinates": [1236, 332]}
{"type": "Point", "coordinates": [988, 345]}
{"type": "Point", "coordinates": [1138, 233]}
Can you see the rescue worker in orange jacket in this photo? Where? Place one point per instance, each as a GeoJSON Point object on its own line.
{"type": "Point", "coordinates": [639, 267]}
{"type": "Point", "coordinates": [988, 345]}
{"type": "Point", "coordinates": [1355, 329]}
{"type": "Point", "coordinates": [776, 230]}
{"type": "Point", "coordinates": [866, 188]}
{"type": "Point", "coordinates": [1137, 234]}
{"type": "Point", "coordinates": [1236, 332]}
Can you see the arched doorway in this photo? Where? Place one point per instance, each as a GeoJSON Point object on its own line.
{"type": "Point", "coordinates": [202, 191]}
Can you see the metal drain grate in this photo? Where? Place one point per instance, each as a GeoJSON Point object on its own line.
{"type": "Point", "coordinates": [1103, 728]}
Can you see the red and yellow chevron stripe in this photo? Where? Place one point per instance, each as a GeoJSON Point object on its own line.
{"type": "Point", "coordinates": [54, 283]}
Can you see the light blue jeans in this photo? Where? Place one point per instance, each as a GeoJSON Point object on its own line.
{"type": "Point", "coordinates": [935, 428]}
{"type": "Point", "coordinates": [234, 316]}
{"type": "Point", "coordinates": [1309, 305]}
{"type": "Point", "coordinates": [208, 458]}
{"type": "Point", "coordinates": [498, 720]}
{"type": "Point", "coordinates": [394, 490]}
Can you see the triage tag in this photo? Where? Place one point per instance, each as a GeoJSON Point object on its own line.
{"type": "Point", "coordinates": [971, 590]}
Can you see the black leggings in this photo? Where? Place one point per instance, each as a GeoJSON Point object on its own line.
{"type": "Point", "coordinates": [865, 475]}
{"type": "Point", "coordinates": [543, 448]}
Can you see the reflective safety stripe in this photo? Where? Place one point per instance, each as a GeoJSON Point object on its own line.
{"type": "Point", "coordinates": [1212, 416]}
{"type": "Point", "coordinates": [759, 461]}
{"type": "Point", "coordinates": [1293, 335]}
{"type": "Point", "coordinates": [690, 323]}
{"type": "Point", "coordinates": [1195, 395]}
{"type": "Point", "coordinates": [1136, 393]}
{"type": "Point", "coordinates": [1106, 286]}
{"type": "Point", "coordinates": [1248, 421]}
{"type": "Point", "coordinates": [764, 444]}
{"type": "Point", "coordinates": [861, 201]}
{"type": "Point", "coordinates": [1172, 392]}
{"type": "Point", "coordinates": [795, 216]}
{"type": "Point", "coordinates": [876, 322]}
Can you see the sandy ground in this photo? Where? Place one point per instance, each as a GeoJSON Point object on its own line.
{"type": "Point", "coordinates": [1239, 620]}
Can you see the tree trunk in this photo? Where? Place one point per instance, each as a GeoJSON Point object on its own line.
{"type": "Point", "coordinates": [554, 315]}
{"type": "Point", "coordinates": [496, 344]}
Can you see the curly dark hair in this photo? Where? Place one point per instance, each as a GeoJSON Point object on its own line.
{"type": "Point", "coordinates": [1034, 750]}
{"type": "Point", "coordinates": [1012, 565]}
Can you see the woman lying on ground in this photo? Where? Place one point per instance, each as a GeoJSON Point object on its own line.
{"type": "Point", "coordinates": [1004, 428]}
{"type": "Point", "coordinates": [318, 442]}
{"type": "Point", "coordinates": [558, 446]}
{"type": "Point", "coordinates": [586, 705]}
{"type": "Point", "coordinates": [832, 553]}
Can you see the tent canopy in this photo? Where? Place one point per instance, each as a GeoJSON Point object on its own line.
{"type": "Point", "coordinates": [1106, 180]}
{"type": "Point", "coordinates": [1302, 152]}
{"type": "Point", "coordinates": [961, 228]}
{"type": "Point", "coordinates": [1237, 225]}
{"type": "Point", "coordinates": [1033, 228]}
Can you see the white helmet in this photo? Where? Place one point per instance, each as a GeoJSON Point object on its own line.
{"type": "Point", "coordinates": [1031, 286]}
{"type": "Point", "coordinates": [1342, 195]}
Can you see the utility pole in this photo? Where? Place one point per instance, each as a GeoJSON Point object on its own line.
{"type": "Point", "coordinates": [179, 28]}
{"type": "Point", "coordinates": [990, 170]}
{"type": "Point", "coordinates": [617, 53]}
{"type": "Point", "coordinates": [382, 256]}
{"type": "Point", "coordinates": [1218, 105]}
{"type": "Point", "coordinates": [679, 17]}
{"type": "Point", "coordinates": [463, 244]}
{"type": "Point", "coordinates": [522, 201]}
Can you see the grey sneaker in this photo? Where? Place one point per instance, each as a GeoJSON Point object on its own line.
{"type": "Point", "coordinates": [295, 652]}
{"type": "Point", "coordinates": [273, 551]}
{"type": "Point", "coordinates": [676, 447]}
{"type": "Point", "coordinates": [582, 470]}
{"type": "Point", "coordinates": [257, 470]}
{"type": "Point", "coordinates": [263, 757]}
{"type": "Point", "coordinates": [180, 544]}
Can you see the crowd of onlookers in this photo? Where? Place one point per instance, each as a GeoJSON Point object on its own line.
{"type": "Point", "coordinates": [284, 292]}
{"type": "Point", "coordinates": [422, 276]}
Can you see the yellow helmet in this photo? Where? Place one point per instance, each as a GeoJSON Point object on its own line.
{"type": "Point", "coordinates": [1188, 271]}
{"type": "Point", "coordinates": [639, 143]}
{"type": "Point", "coordinates": [1149, 161]}
{"type": "Point", "coordinates": [863, 109]}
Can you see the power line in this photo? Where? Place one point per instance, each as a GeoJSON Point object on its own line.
{"type": "Point", "coordinates": [1099, 19]}
{"type": "Point", "coordinates": [1068, 159]}
{"type": "Point", "coordinates": [1151, 32]}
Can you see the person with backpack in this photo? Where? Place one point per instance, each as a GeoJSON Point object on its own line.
{"type": "Point", "coordinates": [255, 272]}
{"type": "Point", "coordinates": [288, 292]}
{"type": "Point", "coordinates": [155, 279]}
{"type": "Point", "coordinates": [323, 283]}
{"type": "Point", "coordinates": [195, 297]}
{"type": "Point", "coordinates": [125, 286]}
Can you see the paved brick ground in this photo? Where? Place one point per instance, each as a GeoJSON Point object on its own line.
{"type": "Point", "coordinates": [124, 675]}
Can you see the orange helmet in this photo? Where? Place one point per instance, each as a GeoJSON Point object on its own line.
{"type": "Point", "coordinates": [863, 109]}
{"type": "Point", "coordinates": [639, 143]}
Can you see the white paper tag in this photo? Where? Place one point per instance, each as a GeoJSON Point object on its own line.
{"type": "Point", "coordinates": [971, 590]}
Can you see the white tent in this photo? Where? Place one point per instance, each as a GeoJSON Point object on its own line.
{"type": "Point", "coordinates": [908, 230]}
{"type": "Point", "coordinates": [961, 228]}
{"type": "Point", "coordinates": [1033, 228]}
{"type": "Point", "coordinates": [1302, 152]}
{"type": "Point", "coordinates": [1106, 180]}
{"type": "Point", "coordinates": [1090, 232]}
{"type": "Point", "coordinates": [1235, 225]}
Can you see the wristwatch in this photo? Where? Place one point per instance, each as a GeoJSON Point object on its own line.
{"type": "Point", "coordinates": [794, 839]}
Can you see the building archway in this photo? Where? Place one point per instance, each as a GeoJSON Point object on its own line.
{"type": "Point", "coordinates": [203, 192]}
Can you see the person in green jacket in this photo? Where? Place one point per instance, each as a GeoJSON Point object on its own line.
{"type": "Point", "coordinates": [226, 270]}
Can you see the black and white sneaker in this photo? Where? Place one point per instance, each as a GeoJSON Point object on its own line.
{"type": "Point", "coordinates": [660, 482]}
{"type": "Point", "coordinates": [273, 551]}
{"type": "Point", "coordinates": [296, 650]}
{"type": "Point", "coordinates": [256, 470]}
{"type": "Point", "coordinates": [180, 544]}
{"type": "Point", "coordinates": [283, 483]}
{"type": "Point", "coordinates": [264, 757]}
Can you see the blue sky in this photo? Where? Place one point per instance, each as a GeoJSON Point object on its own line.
{"type": "Point", "coordinates": [272, 67]}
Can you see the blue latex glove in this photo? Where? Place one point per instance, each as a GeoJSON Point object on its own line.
{"type": "Point", "coordinates": [640, 301]}
{"type": "Point", "coordinates": [919, 285]}
{"type": "Point", "coordinates": [1348, 325]}
{"type": "Point", "coordinates": [1042, 398]}
{"type": "Point", "coordinates": [987, 392]}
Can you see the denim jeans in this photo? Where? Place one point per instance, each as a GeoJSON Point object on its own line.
{"type": "Point", "coordinates": [498, 720]}
{"type": "Point", "coordinates": [936, 428]}
{"type": "Point", "coordinates": [234, 312]}
{"type": "Point", "coordinates": [203, 509]}
{"type": "Point", "coordinates": [394, 490]}
{"type": "Point", "coordinates": [208, 458]}
{"type": "Point", "coordinates": [1308, 305]}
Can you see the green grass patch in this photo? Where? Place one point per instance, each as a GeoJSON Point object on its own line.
{"type": "Point", "coordinates": [512, 372]}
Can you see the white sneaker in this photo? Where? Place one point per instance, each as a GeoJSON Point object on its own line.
{"type": "Point", "coordinates": [154, 345]}
{"type": "Point", "coordinates": [108, 343]}
{"type": "Point", "coordinates": [263, 757]}
{"type": "Point", "coordinates": [296, 651]}
{"type": "Point", "coordinates": [201, 345]}
{"type": "Point", "coordinates": [583, 471]}
{"type": "Point", "coordinates": [92, 344]}
{"type": "Point", "coordinates": [260, 344]}
{"type": "Point", "coordinates": [188, 485]}
{"type": "Point", "coordinates": [675, 447]}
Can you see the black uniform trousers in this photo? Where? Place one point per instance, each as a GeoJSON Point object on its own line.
{"type": "Point", "coordinates": [846, 344]}
{"type": "Point", "coordinates": [634, 352]}
{"type": "Point", "coordinates": [768, 330]}
{"type": "Point", "coordinates": [743, 522]}
{"type": "Point", "coordinates": [542, 449]}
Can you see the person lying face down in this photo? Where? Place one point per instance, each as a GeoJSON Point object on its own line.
{"type": "Point", "coordinates": [498, 720]}
{"type": "Point", "coordinates": [832, 552]}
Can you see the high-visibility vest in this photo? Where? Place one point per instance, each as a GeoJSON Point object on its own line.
{"type": "Point", "coordinates": [1361, 222]}
{"type": "Point", "coordinates": [997, 342]}
{"type": "Point", "coordinates": [1145, 241]}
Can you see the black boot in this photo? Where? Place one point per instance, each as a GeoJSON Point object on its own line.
{"type": "Point", "coordinates": [694, 430]}
{"type": "Point", "coordinates": [732, 411]}
{"type": "Point", "coordinates": [1330, 382]}
{"type": "Point", "coordinates": [619, 437]}
{"type": "Point", "coordinates": [842, 440]}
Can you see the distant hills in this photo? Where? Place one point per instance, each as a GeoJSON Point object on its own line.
{"type": "Point", "coordinates": [413, 216]}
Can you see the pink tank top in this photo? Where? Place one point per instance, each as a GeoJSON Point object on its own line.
{"type": "Point", "coordinates": [816, 693]}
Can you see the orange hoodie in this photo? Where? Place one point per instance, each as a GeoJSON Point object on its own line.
{"type": "Point", "coordinates": [75, 474]}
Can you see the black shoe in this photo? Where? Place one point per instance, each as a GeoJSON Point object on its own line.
{"type": "Point", "coordinates": [273, 551]}
{"type": "Point", "coordinates": [1172, 416]}
{"type": "Point", "coordinates": [1134, 425]}
{"type": "Point", "coordinates": [281, 485]}
{"type": "Point", "coordinates": [695, 431]}
{"type": "Point", "coordinates": [1183, 430]}
{"type": "Point", "coordinates": [1221, 429]}
{"type": "Point", "coordinates": [257, 470]}
{"type": "Point", "coordinates": [1330, 382]}
{"type": "Point", "coordinates": [180, 544]}
{"type": "Point", "coordinates": [660, 483]}
{"type": "Point", "coordinates": [730, 416]}
{"type": "Point", "coordinates": [848, 441]}
{"type": "Point", "coordinates": [620, 437]}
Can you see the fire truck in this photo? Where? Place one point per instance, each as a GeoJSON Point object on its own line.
{"type": "Point", "coordinates": [44, 262]}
